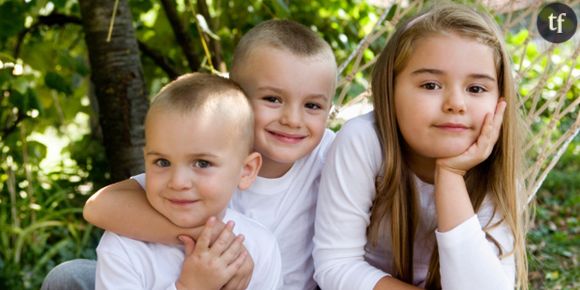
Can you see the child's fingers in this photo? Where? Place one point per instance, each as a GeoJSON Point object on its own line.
{"type": "Point", "coordinates": [224, 240]}
{"type": "Point", "coordinates": [204, 238]}
{"type": "Point", "coordinates": [188, 244]}
{"type": "Point", "coordinates": [238, 262]}
{"type": "Point", "coordinates": [243, 275]}
{"type": "Point", "coordinates": [490, 129]}
{"type": "Point", "coordinates": [498, 117]}
{"type": "Point", "coordinates": [234, 250]}
{"type": "Point", "coordinates": [239, 281]}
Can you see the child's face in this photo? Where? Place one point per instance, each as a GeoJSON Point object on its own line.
{"type": "Point", "coordinates": [193, 165]}
{"type": "Point", "coordinates": [291, 97]}
{"type": "Point", "coordinates": [443, 94]}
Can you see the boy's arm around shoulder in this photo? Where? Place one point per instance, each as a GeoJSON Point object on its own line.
{"type": "Point", "coordinates": [126, 201]}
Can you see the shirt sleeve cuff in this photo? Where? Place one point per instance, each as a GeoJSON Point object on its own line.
{"type": "Point", "coordinates": [464, 231]}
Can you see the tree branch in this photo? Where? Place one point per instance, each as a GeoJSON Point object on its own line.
{"type": "Point", "coordinates": [53, 19]}
{"type": "Point", "coordinates": [214, 44]}
{"type": "Point", "coordinates": [58, 19]}
{"type": "Point", "coordinates": [183, 38]}
{"type": "Point", "coordinates": [159, 59]}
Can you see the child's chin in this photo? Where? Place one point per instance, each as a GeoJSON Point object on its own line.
{"type": "Point", "coordinates": [450, 152]}
{"type": "Point", "coordinates": [187, 223]}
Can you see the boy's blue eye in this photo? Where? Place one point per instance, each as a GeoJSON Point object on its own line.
{"type": "Point", "coordinates": [476, 89]}
{"type": "Point", "coordinates": [313, 106]}
{"type": "Point", "coordinates": [162, 162]}
{"type": "Point", "coordinates": [202, 164]}
{"type": "Point", "coordinates": [272, 99]}
{"type": "Point", "coordinates": [431, 86]}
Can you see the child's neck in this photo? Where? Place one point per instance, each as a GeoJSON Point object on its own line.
{"type": "Point", "coordinates": [422, 167]}
{"type": "Point", "coordinates": [220, 216]}
{"type": "Point", "coordinates": [273, 169]}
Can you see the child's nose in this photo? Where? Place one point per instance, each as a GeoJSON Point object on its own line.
{"type": "Point", "coordinates": [291, 117]}
{"type": "Point", "coordinates": [454, 101]}
{"type": "Point", "coordinates": [180, 180]}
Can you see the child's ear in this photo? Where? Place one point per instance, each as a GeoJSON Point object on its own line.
{"type": "Point", "coordinates": [252, 165]}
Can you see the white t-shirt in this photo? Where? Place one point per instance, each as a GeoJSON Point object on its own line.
{"type": "Point", "coordinates": [342, 255]}
{"type": "Point", "coordinates": [286, 206]}
{"type": "Point", "coordinates": [124, 263]}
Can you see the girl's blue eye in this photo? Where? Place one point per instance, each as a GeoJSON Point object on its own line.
{"type": "Point", "coordinates": [313, 106]}
{"type": "Point", "coordinates": [476, 89]}
{"type": "Point", "coordinates": [431, 86]}
{"type": "Point", "coordinates": [272, 99]}
{"type": "Point", "coordinates": [202, 164]}
{"type": "Point", "coordinates": [162, 162]}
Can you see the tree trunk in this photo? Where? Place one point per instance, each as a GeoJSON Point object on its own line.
{"type": "Point", "coordinates": [117, 77]}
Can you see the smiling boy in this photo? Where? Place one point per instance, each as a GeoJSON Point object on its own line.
{"type": "Point", "coordinates": [198, 151]}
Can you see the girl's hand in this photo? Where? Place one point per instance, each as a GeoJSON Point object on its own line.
{"type": "Point", "coordinates": [481, 149]}
{"type": "Point", "coordinates": [211, 267]}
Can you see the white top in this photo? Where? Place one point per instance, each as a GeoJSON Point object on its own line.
{"type": "Point", "coordinates": [343, 258]}
{"type": "Point", "coordinates": [124, 263]}
{"type": "Point", "coordinates": [286, 206]}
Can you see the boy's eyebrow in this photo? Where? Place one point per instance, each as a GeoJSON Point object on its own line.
{"type": "Point", "coordinates": [202, 155]}
{"type": "Point", "coordinates": [319, 96]}
{"type": "Point", "coordinates": [440, 72]}
{"type": "Point", "coordinates": [269, 88]}
{"type": "Point", "coordinates": [154, 153]}
{"type": "Point", "coordinates": [193, 155]}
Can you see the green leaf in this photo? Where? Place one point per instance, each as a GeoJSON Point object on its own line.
{"type": "Point", "coordinates": [57, 82]}
{"type": "Point", "coordinates": [5, 77]}
{"type": "Point", "coordinates": [281, 8]}
{"type": "Point", "coordinates": [18, 100]}
{"type": "Point", "coordinates": [36, 150]}
{"type": "Point", "coordinates": [392, 12]}
{"type": "Point", "coordinates": [11, 18]}
{"type": "Point", "coordinates": [520, 38]}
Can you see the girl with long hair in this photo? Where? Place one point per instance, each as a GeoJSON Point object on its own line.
{"type": "Point", "coordinates": [424, 192]}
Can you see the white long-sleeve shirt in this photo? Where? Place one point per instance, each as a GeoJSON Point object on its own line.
{"type": "Point", "coordinates": [343, 257]}
{"type": "Point", "coordinates": [124, 263]}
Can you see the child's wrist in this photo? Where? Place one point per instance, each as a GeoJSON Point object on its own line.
{"type": "Point", "coordinates": [442, 168]}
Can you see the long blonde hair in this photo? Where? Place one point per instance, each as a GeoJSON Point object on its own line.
{"type": "Point", "coordinates": [497, 176]}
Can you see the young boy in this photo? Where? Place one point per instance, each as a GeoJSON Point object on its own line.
{"type": "Point", "coordinates": [289, 75]}
{"type": "Point", "coordinates": [198, 151]}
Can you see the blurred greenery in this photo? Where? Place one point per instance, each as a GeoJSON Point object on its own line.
{"type": "Point", "coordinates": [553, 241]}
{"type": "Point", "coordinates": [51, 151]}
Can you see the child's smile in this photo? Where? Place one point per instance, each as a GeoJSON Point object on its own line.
{"type": "Point", "coordinates": [443, 94]}
{"type": "Point", "coordinates": [288, 138]}
{"type": "Point", "coordinates": [291, 97]}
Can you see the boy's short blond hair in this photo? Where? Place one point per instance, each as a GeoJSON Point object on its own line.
{"type": "Point", "coordinates": [286, 35]}
{"type": "Point", "coordinates": [196, 92]}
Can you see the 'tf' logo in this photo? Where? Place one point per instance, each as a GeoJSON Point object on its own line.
{"type": "Point", "coordinates": [557, 22]}
{"type": "Point", "coordinates": [559, 19]}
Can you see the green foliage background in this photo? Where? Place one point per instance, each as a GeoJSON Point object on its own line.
{"type": "Point", "coordinates": [51, 157]}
